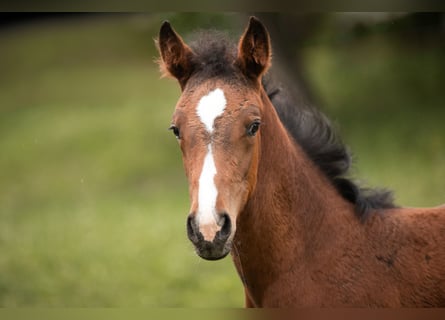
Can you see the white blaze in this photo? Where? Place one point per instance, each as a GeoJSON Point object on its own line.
{"type": "Point", "coordinates": [209, 108]}
{"type": "Point", "coordinates": [207, 190]}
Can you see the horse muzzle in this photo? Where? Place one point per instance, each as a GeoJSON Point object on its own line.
{"type": "Point", "coordinates": [211, 241]}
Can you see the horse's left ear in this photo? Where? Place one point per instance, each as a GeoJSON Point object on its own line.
{"type": "Point", "coordinates": [176, 56]}
{"type": "Point", "coordinates": [254, 50]}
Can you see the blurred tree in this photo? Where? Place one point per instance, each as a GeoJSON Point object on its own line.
{"type": "Point", "coordinates": [290, 32]}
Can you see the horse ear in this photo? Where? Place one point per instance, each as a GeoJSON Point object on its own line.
{"type": "Point", "coordinates": [175, 54]}
{"type": "Point", "coordinates": [254, 49]}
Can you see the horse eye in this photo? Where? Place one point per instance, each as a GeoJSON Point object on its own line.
{"type": "Point", "coordinates": [253, 128]}
{"type": "Point", "coordinates": [175, 131]}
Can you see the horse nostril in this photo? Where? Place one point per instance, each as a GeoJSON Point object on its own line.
{"type": "Point", "coordinates": [226, 227]}
{"type": "Point", "coordinates": [192, 228]}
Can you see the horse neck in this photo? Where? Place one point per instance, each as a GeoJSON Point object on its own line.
{"type": "Point", "coordinates": [292, 207]}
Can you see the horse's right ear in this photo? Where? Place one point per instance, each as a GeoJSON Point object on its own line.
{"type": "Point", "coordinates": [175, 54]}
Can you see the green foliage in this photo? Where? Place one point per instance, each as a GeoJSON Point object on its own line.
{"type": "Point", "coordinates": [93, 196]}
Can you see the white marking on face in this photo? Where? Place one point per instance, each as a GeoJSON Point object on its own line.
{"type": "Point", "coordinates": [207, 190]}
{"type": "Point", "coordinates": [209, 108]}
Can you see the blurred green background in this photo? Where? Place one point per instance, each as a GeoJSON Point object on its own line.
{"type": "Point", "coordinates": [93, 199]}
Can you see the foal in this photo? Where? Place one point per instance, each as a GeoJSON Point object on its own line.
{"type": "Point", "coordinates": [270, 191]}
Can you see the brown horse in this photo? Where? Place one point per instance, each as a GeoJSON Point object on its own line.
{"type": "Point", "coordinates": [266, 182]}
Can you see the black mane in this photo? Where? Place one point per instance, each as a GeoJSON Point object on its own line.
{"type": "Point", "coordinates": [214, 56]}
{"type": "Point", "coordinates": [314, 133]}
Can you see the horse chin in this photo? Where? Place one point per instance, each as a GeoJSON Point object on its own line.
{"type": "Point", "coordinates": [212, 257]}
{"type": "Point", "coordinates": [208, 251]}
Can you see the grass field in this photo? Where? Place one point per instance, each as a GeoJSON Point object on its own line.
{"type": "Point", "coordinates": [93, 197]}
